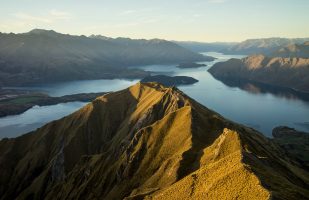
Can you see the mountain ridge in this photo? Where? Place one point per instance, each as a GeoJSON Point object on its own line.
{"type": "Point", "coordinates": [147, 142]}
{"type": "Point", "coordinates": [266, 46]}
{"type": "Point", "coordinates": [41, 56]}
{"type": "Point", "coordinates": [263, 46]}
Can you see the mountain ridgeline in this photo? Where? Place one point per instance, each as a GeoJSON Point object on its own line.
{"type": "Point", "coordinates": [147, 142]}
{"type": "Point", "coordinates": [47, 56]}
{"type": "Point", "coordinates": [206, 46]}
{"type": "Point", "coordinates": [266, 46]}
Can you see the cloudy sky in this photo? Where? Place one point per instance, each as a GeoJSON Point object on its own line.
{"type": "Point", "coordinates": [194, 20]}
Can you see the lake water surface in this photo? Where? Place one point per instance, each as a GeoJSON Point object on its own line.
{"type": "Point", "coordinates": [247, 104]}
{"type": "Point", "coordinates": [37, 116]}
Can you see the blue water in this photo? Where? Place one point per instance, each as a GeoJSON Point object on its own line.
{"type": "Point", "coordinates": [37, 116]}
{"type": "Point", "coordinates": [84, 86]}
{"type": "Point", "coordinates": [260, 110]}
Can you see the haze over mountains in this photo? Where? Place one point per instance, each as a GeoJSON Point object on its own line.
{"type": "Point", "coordinates": [47, 56]}
{"type": "Point", "coordinates": [147, 142]}
{"type": "Point", "coordinates": [206, 46]}
{"type": "Point", "coordinates": [266, 46]}
{"type": "Point", "coordinates": [263, 46]}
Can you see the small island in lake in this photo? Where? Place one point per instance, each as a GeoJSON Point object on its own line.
{"type": "Point", "coordinates": [190, 65]}
{"type": "Point", "coordinates": [170, 80]}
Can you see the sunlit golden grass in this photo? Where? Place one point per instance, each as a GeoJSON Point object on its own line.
{"type": "Point", "coordinates": [147, 142]}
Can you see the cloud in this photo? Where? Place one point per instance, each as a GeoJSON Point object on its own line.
{"type": "Point", "coordinates": [124, 25]}
{"type": "Point", "coordinates": [136, 12]}
{"type": "Point", "coordinates": [27, 17]}
{"type": "Point", "coordinates": [217, 1]}
{"type": "Point", "coordinates": [198, 15]}
{"type": "Point", "coordinates": [56, 14]}
{"type": "Point", "coordinates": [139, 22]}
{"type": "Point", "coordinates": [50, 17]}
{"type": "Point", "coordinates": [127, 12]}
{"type": "Point", "coordinates": [150, 21]}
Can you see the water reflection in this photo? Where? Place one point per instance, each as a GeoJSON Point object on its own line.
{"type": "Point", "coordinates": [260, 88]}
{"type": "Point", "coordinates": [254, 105]}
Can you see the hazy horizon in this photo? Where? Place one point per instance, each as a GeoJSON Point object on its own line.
{"type": "Point", "coordinates": [114, 37]}
{"type": "Point", "coordinates": [197, 20]}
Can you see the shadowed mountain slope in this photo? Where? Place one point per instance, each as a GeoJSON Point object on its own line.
{"type": "Point", "coordinates": [147, 142]}
{"type": "Point", "coordinates": [285, 72]}
{"type": "Point", "coordinates": [47, 56]}
{"type": "Point", "coordinates": [206, 46]}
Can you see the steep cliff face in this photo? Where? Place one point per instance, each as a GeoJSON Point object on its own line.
{"type": "Point", "coordinates": [284, 72]}
{"type": "Point", "coordinates": [147, 142]}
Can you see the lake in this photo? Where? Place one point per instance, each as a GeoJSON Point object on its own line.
{"type": "Point", "coordinates": [37, 116]}
{"type": "Point", "coordinates": [257, 106]}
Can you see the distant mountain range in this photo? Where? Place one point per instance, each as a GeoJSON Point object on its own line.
{"type": "Point", "coordinates": [150, 142]}
{"type": "Point", "coordinates": [206, 46]}
{"type": "Point", "coordinates": [283, 72]}
{"type": "Point", "coordinates": [264, 46]}
{"type": "Point", "coordinates": [47, 56]}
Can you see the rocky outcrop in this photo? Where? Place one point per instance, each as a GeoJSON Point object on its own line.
{"type": "Point", "coordinates": [147, 142]}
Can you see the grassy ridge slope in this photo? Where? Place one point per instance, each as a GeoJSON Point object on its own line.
{"type": "Point", "coordinates": [147, 141]}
